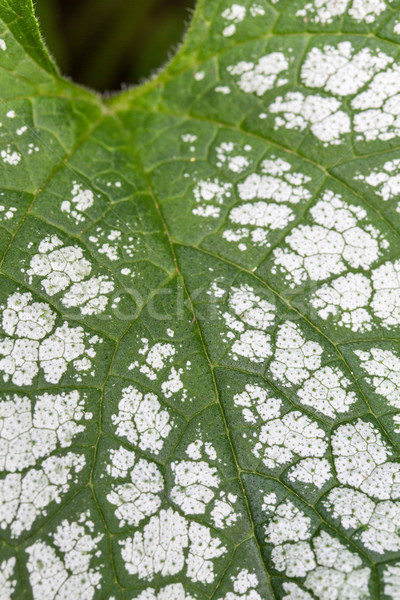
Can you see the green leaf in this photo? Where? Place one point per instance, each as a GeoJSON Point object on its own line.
{"type": "Point", "coordinates": [200, 313]}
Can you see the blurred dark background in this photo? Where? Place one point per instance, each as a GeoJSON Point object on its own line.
{"type": "Point", "coordinates": [107, 44]}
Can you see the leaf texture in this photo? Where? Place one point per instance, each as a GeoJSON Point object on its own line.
{"type": "Point", "coordinates": [200, 313]}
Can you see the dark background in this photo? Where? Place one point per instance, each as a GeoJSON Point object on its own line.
{"type": "Point", "coordinates": [107, 44]}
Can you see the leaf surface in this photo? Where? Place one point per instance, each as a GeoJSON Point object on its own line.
{"type": "Point", "coordinates": [200, 313]}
